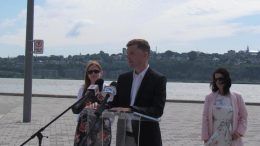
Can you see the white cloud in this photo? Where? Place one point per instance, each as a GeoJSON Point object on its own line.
{"type": "Point", "coordinates": [67, 23]}
{"type": "Point", "coordinates": [196, 20]}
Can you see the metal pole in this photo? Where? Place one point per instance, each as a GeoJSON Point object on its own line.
{"type": "Point", "coordinates": [27, 102]}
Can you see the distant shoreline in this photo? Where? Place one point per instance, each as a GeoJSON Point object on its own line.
{"type": "Point", "coordinates": [168, 80]}
{"type": "Point", "coordinates": [71, 96]}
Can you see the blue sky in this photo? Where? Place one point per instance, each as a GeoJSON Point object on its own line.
{"type": "Point", "coordinates": [71, 27]}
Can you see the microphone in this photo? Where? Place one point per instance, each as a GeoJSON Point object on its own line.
{"type": "Point", "coordinates": [90, 96]}
{"type": "Point", "coordinates": [100, 83]}
{"type": "Point", "coordinates": [110, 92]}
{"type": "Point", "coordinates": [114, 84]}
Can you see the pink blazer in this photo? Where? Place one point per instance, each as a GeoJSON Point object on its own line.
{"type": "Point", "coordinates": [239, 116]}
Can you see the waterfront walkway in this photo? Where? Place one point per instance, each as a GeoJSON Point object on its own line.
{"type": "Point", "coordinates": [180, 125]}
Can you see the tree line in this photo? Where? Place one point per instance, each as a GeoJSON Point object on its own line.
{"type": "Point", "coordinates": [192, 66]}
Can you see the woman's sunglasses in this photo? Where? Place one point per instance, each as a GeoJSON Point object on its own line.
{"type": "Point", "coordinates": [93, 71]}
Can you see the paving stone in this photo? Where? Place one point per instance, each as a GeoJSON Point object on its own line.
{"type": "Point", "coordinates": [180, 124]}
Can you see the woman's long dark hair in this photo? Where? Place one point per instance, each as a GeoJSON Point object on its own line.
{"type": "Point", "coordinates": [227, 80]}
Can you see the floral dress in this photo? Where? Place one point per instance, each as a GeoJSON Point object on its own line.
{"type": "Point", "coordinates": [222, 121]}
{"type": "Point", "coordinates": [90, 132]}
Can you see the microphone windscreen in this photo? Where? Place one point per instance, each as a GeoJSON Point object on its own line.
{"type": "Point", "coordinates": [113, 84]}
{"type": "Point", "coordinates": [100, 83]}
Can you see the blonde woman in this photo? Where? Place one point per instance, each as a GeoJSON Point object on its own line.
{"type": "Point", "coordinates": [84, 135]}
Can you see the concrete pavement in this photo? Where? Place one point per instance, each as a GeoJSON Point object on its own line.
{"type": "Point", "coordinates": [180, 125]}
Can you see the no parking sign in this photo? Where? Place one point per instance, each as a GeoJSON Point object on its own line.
{"type": "Point", "coordinates": [38, 47]}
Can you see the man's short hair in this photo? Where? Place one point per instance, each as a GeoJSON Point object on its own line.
{"type": "Point", "coordinates": [141, 44]}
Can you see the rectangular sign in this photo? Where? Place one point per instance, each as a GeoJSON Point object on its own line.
{"type": "Point", "coordinates": [38, 47]}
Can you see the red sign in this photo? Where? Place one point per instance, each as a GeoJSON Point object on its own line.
{"type": "Point", "coordinates": [38, 47]}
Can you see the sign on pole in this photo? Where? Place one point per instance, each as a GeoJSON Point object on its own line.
{"type": "Point", "coordinates": [38, 47]}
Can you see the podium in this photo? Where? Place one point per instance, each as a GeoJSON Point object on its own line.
{"type": "Point", "coordinates": [110, 129]}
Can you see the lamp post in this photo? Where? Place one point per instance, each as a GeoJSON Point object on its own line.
{"type": "Point", "coordinates": [27, 102]}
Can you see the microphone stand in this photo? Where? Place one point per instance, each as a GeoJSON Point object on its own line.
{"type": "Point", "coordinates": [39, 134]}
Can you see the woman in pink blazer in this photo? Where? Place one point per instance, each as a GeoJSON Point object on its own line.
{"type": "Point", "coordinates": [224, 120]}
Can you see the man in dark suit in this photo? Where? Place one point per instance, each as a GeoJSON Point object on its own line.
{"type": "Point", "coordinates": [142, 90]}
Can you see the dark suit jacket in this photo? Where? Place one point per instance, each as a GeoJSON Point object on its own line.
{"type": "Point", "coordinates": [150, 100]}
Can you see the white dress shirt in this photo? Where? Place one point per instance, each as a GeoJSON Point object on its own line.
{"type": "Point", "coordinates": [137, 80]}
